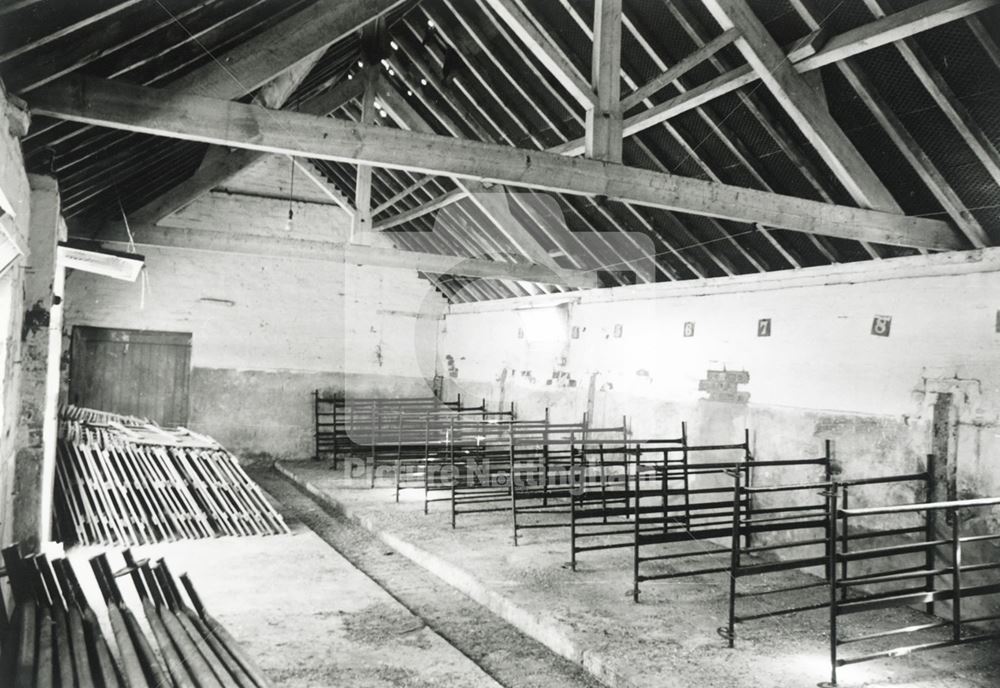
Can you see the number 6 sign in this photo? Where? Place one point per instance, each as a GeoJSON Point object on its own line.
{"type": "Point", "coordinates": [881, 325]}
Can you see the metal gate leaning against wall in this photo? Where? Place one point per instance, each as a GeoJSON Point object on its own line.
{"type": "Point", "coordinates": [138, 372]}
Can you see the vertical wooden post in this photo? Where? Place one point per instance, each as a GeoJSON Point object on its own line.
{"type": "Point", "coordinates": [604, 120]}
{"type": "Point", "coordinates": [361, 223]}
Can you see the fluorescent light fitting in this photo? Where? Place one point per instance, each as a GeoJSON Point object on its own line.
{"type": "Point", "coordinates": [100, 261]}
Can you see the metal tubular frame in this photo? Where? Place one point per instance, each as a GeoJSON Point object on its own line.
{"type": "Point", "coordinates": [548, 466]}
{"type": "Point", "coordinates": [485, 459]}
{"type": "Point", "coordinates": [422, 448]}
{"type": "Point", "coordinates": [795, 519]}
{"type": "Point", "coordinates": [663, 523]}
{"type": "Point", "coordinates": [842, 602]}
{"type": "Point", "coordinates": [122, 480]}
{"type": "Point", "coordinates": [601, 505]}
{"type": "Point", "coordinates": [340, 421]}
{"type": "Point", "coordinates": [391, 437]}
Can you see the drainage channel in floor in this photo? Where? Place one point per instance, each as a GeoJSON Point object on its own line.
{"type": "Point", "coordinates": [507, 655]}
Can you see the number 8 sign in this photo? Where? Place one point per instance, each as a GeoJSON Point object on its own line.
{"type": "Point", "coordinates": [881, 325]}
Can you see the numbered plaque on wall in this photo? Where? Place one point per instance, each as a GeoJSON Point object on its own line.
{"type": "Point", "coordinates": [881, 325]}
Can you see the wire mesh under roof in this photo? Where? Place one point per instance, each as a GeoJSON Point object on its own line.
{"type": "Point", "coordinates": [462, 72]}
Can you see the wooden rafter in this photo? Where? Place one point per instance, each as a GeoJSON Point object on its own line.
{"type": "Point", "coordinates": [491, 202]}
{"type": "Point", "coordinates": [502, 136]}
{"type": "Point", "coordinates": [928, 75]}
{"type": "Point", "coordinates": [690, 152]}
{"type": "Point", "coordinates": [258, 60]}
{"type": "Point", "coordinates": [405, 192]}
{"type": "Point", "coordinates": [799, 100]}
{"type": "Point", "coordinates": [547, 52]}
{"type": "Point", "coordinates": [904, 141]}
{"type": "Point", "coordinates": [134, 108]}
{"type": "Point", "coordinates": [221, 164]}
{"type": "Point", "coordinates": [769, 123]}
{"type": "Point", "coordinates": [676, 71]}
{"type": "Point", "coordinates": [66, 30]}
{"type": "Point", "coordinates": [874, 35]}
{"type": "Point", "coordinates": [431, 206]}
{"type": "Point", "coordinates": [277, 60]}
{"type": "Point", "coordinates": [890, 28]}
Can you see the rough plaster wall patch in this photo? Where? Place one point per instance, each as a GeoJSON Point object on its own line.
{"type": "Point", "coordinates": [722, 385]}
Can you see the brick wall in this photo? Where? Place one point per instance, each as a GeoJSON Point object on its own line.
{"type": "Point", "coordinates": [269, 330]}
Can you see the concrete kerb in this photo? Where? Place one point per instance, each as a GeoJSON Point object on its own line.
{"type": "Point", "coordinates": [551, 633]}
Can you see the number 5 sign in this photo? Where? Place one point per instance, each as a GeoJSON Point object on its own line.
{"type": "Point", "coordinates": [881, 325]}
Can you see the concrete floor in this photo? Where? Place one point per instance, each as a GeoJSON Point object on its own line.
{"type": "Point", "coordinates": [668, 640]}
{"type": "Point", "coordinates": [506, 654]}
{"type": "Point", "coordinates": [307, 615]}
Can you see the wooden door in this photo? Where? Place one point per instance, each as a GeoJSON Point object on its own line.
{"type": "Point", "coordinates": [137, 372]}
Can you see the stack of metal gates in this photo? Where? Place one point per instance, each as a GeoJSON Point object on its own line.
{"type": "Point", "coordinates": [123, 480]}
{"type": "Point", "coordinates": [53, 636]}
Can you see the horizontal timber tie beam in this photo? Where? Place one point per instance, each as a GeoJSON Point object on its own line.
{"type": "Point", "coordinates": [352, 254]}
{"type": "Point", "coordinates": [144, 110]}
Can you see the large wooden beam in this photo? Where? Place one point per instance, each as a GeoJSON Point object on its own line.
{"type": "Point", "coordinates": [491, 202]}
{"type": "Point", "coordinates": [144, 110]}
{"type": "Point", "coordinates": [799, 100]}
{"type": "Point", "coordinates": [361, 222]}
{"type": "Point", "coordinates": [926, 15]}
{"type": "Point", "coordinates": [66, 30]}
{"type": "Point", "coordinates": [604, 119]}
{"type": "Point", "coordinates": [891, 28]}
{"type": "Point", "coordinates": [685, 102]}
{"type": "Point", "coordinates": [276, 92]}
{"type": "Point", "coordinates": [254, 62]}
{"type": "Point", "coordinates": [907, 145]}
{"type": "Point", "coordinates": [547, 52]}
{"type": "Point", "coordinates": [938, 89]}
{"type": "Point", "coordinates": [221, 164]}
{"type": "Point", "coordinates": [433, 263]}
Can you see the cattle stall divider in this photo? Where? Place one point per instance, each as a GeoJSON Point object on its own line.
{"type": "Point", "coordinates": [842, 603]}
